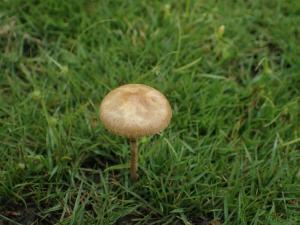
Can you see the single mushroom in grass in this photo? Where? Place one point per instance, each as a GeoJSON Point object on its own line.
{"type": "Point", "coordinates": [134, 111]}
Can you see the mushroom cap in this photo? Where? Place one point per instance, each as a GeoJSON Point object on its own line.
{"type": "Point", "coordinates": [135, 110]}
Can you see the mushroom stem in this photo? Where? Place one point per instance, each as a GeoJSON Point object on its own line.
{"type": "Point", "coordinates": [134, 159]}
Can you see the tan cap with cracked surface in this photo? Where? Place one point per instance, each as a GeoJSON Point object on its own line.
{"type": "Point", "coordinates": [135, 110]}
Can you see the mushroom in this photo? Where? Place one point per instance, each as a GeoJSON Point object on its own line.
{"type": "Point", "coordinates": [134, 111]}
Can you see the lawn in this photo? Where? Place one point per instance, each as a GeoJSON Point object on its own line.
{"type": "Point", "coordinates": [231, 71]}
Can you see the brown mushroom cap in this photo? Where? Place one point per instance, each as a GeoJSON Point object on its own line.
{"type": "Point", "coordinates": [135, 110]}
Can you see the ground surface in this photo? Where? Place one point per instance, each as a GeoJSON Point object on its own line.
{"type": "Point", "coordinates": [231, 70]}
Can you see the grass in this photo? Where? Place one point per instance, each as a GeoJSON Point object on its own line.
{"type": "Point", "coordinates": [231, 72]}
